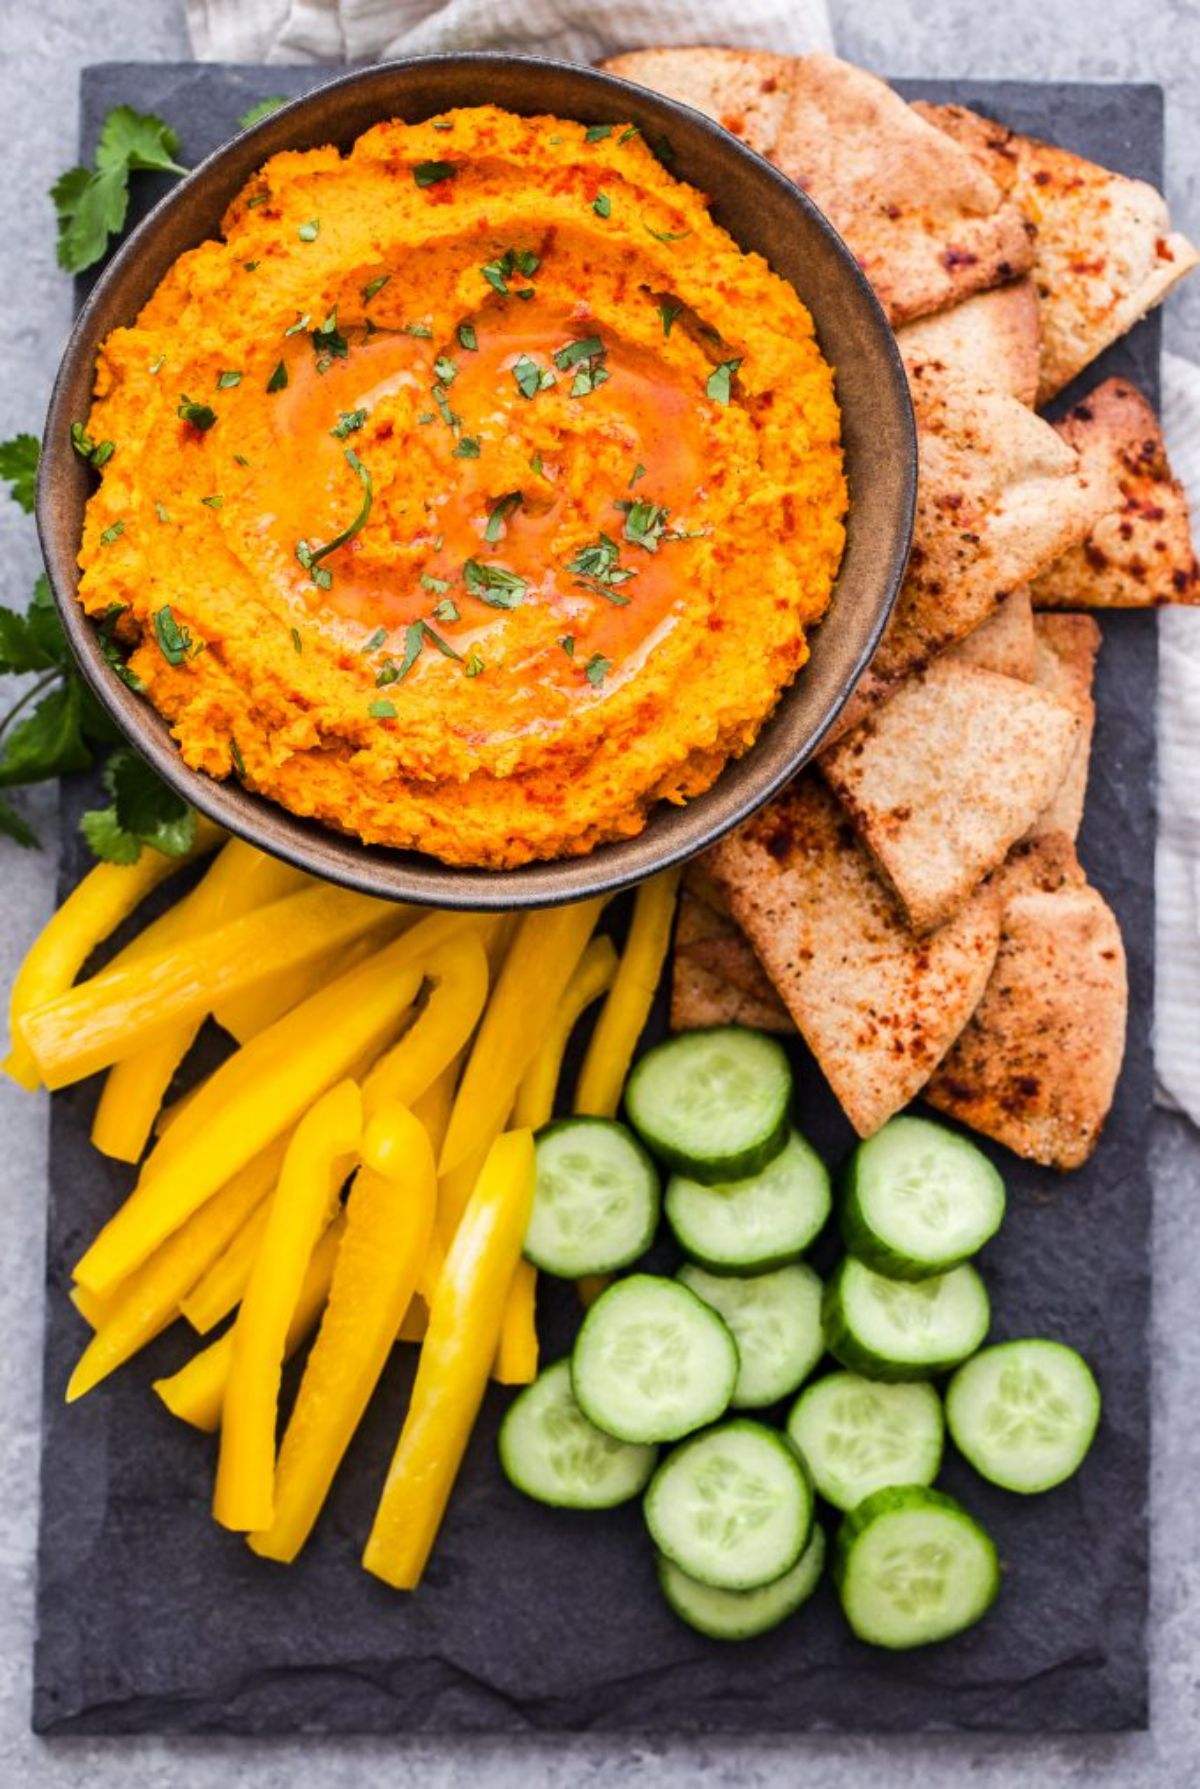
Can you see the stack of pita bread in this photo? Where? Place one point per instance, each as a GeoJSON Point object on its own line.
{"type": "Point", "coordinates": [913, 905]}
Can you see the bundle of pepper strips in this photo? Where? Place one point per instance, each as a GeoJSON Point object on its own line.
{"type": "Point", "coordinates": [362, 1163]}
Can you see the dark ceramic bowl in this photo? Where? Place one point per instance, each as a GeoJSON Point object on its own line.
{"type": "Point", "coordinates": [763, 211]}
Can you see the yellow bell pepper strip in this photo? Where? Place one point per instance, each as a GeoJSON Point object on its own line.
{"type": "Point", "coordinates": [416, 1320]}
{"type": "Point", "coordinates": [539, 1084]}
{"type": "Point", "coordinates": [196, 1393]}
{"type": "Point", "coordinates": [517, 1355]}
{"type": "Point", "coordinates": [623, 1018]}
{"type": "Point", "coordinates": [240, 879]}
{"type": "Point", "coordinates": [93, 1310]}
{"type": "Point", "coordinates": [106, 896]}
{"type": "Point", "coordinates": [459, 972]}
{"type": "Point", "coordinates": [219, 1290]}
{"type": "Point", "coordinates": [258, 1094]}
{"type": "Point", "coordinates": [149, 1299]}
{"type": "Point", "coordinates": [244, 1015]}
{"type": "Point", "coordinates": [540, 962]}
{"type": "Point", "coordinates": [434, 1106]}
{"type": "Point", "coordinates": [317, 1160]}
{"type": "Point", "coordinates": [455, 1359]}
{"type": "Point", "coordinates": [389, 1219]}
{"type": "Point", "coordinates": [120, 1010]}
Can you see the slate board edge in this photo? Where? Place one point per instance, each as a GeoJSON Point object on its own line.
{"type": "Point", "coordinates": [290, 1701]}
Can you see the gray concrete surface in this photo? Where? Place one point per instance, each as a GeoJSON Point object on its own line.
{"type": "Point", "coordinates": [42, 47]}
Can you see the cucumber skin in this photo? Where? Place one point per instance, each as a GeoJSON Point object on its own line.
{"type": "Point", "coordinates": [815, 1550]}
{"type": "Point", "coordinates": [968, 1453]}
{"type": "Point", "coordinates": [511, 1472]}
{"type": "Point", "coordinates": [862, 1241]}
{"type": "Point", "coordinates": [847, 1351]}
{"type": "Point", "coordinates": [821, 1491]}
{"type": "Point", "coordinates": [899, 1497]}
{"type": "Point", "coordinates": [730, 1167]}
{"type": "Point", "coordinates": [738, 1422]}
{"type": "Point", "coordinates": [747, 1266]}
{"type": "Point", "coordinates": [610, 1265]}
{"type": "Point", "coordinates": [680, 1434]}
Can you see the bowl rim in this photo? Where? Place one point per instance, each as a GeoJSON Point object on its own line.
{"type": "Point", "coordinates": [344, 858]}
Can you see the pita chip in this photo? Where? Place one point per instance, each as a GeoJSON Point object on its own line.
{"type": "Point", "coordinates": [926, 222]}
{"type": "Point", "coordinates": [716, 943]}
{"type": "Point", "coordinates": [1105, 253]}
{"type": "Point", "coordinates": [1005, 642]}
{"type": "Point", "coordinates": [877, 1006]}
{"type": "Point", "coordinates": [991, 338]}
{"type": "Point", "coordinates": [1066, 667]}
{"type": "Point", "coordinates": [1037, 1065]}
{"type": "Point", "coordinates": [1139, 554]}
{"type": "Point", "coordinates": [1000, 495]}
{"type": "Point", "coordinates": [699, 997]}
{"type": "Point", "coordinates": [744, 90]}
{"type": "Point", "coordinates": [946, 776]}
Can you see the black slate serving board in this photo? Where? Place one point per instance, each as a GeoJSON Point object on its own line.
{"type": "Point", "coordinates": [152, 1619]}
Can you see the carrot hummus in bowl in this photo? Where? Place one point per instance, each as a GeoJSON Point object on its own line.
{"type": "Point", "coordinates": [472, 494]}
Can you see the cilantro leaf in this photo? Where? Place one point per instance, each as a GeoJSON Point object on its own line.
{"type": "Point", "coordinates": [48, 742]}
{"type": "Point", "coordinates": [174, 638]}
{"type": "Point", "coordinates": [18, 466]}
{"type": "Point", "coordinates": [262, 110]}
{"type": "Point", "coordinates": [499, 514]}
{"type": "Point", "coordinates": [143, 812]}
{"type": "Point", "coordinates": [433, 173]}
{"type": "Point", "coordinates": [13, 826]}
{"type": "Point", "coordinates": [597, 669]}
{"type": "Point", "coordinates": [494, 584]}
{"type": "Point", "coordinates": [719, 384]}
{"type": "Point", "coordinates": [92, 203]}
{"type": "Point", "coordinates": [132, 139]}
{"type": "Point", "coordinates": [33, 641]}
{"type": "Point", "coordinates": [107, 837]}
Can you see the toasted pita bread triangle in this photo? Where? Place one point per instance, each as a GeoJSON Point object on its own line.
{"type": "Point", "coordinates": [1105, 252]}
{"type": "Point", "coordinates": [1005, 642]}
{"type": "Point", "coordinates": [946, 776]}
{"type": "Point", "coordinates": [714, 941]}
{"type": "Point", "coordinates": [1037, 1065]}
{"type": "Point", "coordinates": [877, 1006]}
{"type": "Point", "coordinates": [991, 338]}
{"type": "Point", "coordinates": [702, 997]}
{"type": "Point", "coordinates": [925, 221]}
{"type": "Point", "coordinates": [1139, 554]}
{"type": "Point", "coordinates": [745, 90]}
{"type": "Point", "coordinates": [1066, 666]}
{"type": "Point", "coordinates": [999, 496]}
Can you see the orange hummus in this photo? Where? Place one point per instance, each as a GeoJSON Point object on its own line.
{"type": "Point", "coordinates": [472, 494]}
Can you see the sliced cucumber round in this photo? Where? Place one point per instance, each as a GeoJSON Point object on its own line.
{"type": "Point", "coordinates": [652, 1361]}
{"type": "Point", "coordinates": [903, 1329]}
{"type": "Point", "coordinates": [1024, 1413]}
{"type": "Point", "coordinates": [595, 1200]}
{"type": "Point", "coordinates": [858, 1436]}
{"type": "Point", "coordinates": [775, 1319]}
{"type": "Point", "coordinates": [712, 1104]}
{"type": "Point", "coordinates": [733, 1507]}
{"type": "Point", "coordinates": [748, 1226]}
{"type": "Point", "coordinates": [550, 1450]}
{"type": "Point", "coordinates": [740, 1614]}
{"type": "Point", "coordinates": [911, 1566]}
{"type": "Point", "coordinates": [919, 1199]}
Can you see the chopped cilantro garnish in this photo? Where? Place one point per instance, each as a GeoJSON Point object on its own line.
{"type": "Point", "coordinates": [389, 672]}
{"type": "Point", "coordinates": [426, 417]}
{"type": "Point", "coordinates": [435, 586]}
{"type": "Point", "coordinates": [348, 421]}
{"type": "Point", "coordinates": [597, 669]}
{"type": "Point", "coordinates": [239, 763]}
{"type": "Point", "coordinates": [433, 173]}
{"type": "Point", "coordinates": [381, 710]}
{"type": "Point", "coordinates": [373, 286]}
{"type": "Point", "coordinates": [535, 466]}
{"type": "Point", "coordinates": [602, 205]}
{"type": "Point", "coordinates": [111, 534]}
{"type": "Point", "coordinates": [216, 501]}
{"type": "Point", "coordinates": [239, 459]}
{"type": "Point", "coordinates": [567, 642]}
{"type": "Point", "coordinates": [374, 641]}
{"type": "Point", "coordinates": [156, 366]}
{"type": "Point", "coordinates": [445, 369]}
{"type": "Point", "coordinates": [174, 640]}
{"type": "Point", "coordinates": [440, 393]}
{"type": "Point", "coordinates": [279, 378]}
{"type": "Point", "coordinates": [645, 523]}
{"type": "Point", "coordinates": [530, 377]}
{"type": "Point", "coordinates": [514, 260]}
{"type": "Point", "coordinates": [251, 265]}
{"type": "Point", "coordinates": [441, 124]}
{"type": "Point", "coordinates": [599, 569]}
{"type": "Point", "coordinates": [474, 665]}
{"type": "Point", "coordinates": [310, 557]}
{"type": "Point", "coordinates": [588, 377]}
{"type": "Point", "coordinates": [631, 130]}
{"type": "Point", "coordinates": [96, 453]}
{"type": "Point", "coordinates": [499, 514]}
{"type": "Point", "coordinates": [262, 110]}
{"type": "Point", "coordinates": [566, 357]}
{"type": "Point", "coordinates": [299, 326]}
{"type": "Point", "coordinates": [201, 416]}
{"type": "Point", "coordinates": [668, 313]}
{"type": "Point", "coordinates": [297, 642]}
{"type": "Point", "coordinates": [666, 235]}
{"type": "Point", "coordinates": [720, 381]}
{"type": "Point", "coordinates": [252, 204]}
{"type": "Point", "coordinates": [494, 584]}
{"type": "Point", "coordinates": [329, 342]}
{"type": "Point", "coordinates": [421, 330]}
{"type": "Point", "coordinates": [467, 449]}
{"type": "Point", "coordinates": [226, 381]}
{"type": "Point", "coordinates": [447, 609]}
{"type": "Point", "coordinates": [162, 512]}
{"type": "Point", "coordinates": [467, 338]}
{"type": "Point", "coordinates": [639, 471]}
{"type": "Point", "coordinates": [310, 231]}
{"type": "Point", "coordinates": [596, 133]}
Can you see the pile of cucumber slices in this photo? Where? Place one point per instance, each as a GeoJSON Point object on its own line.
{"type": "Point", "coordinates": [743, 1325]}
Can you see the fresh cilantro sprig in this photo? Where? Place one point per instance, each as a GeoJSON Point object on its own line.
{"type": "Point", "coordinates": [143, 811]}
{"type": "Point", "coordinates": [18, 467]}
{"type": "Point", "coordinates": [92, 203]}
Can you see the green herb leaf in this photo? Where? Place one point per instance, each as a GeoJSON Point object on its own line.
{"type": "Point", "coordinates": [14, 826]}
{"type": "Point", "coordinates": [96, 453]}
{"type": "Point", "coordinates": [645, 523]}
{"type": "Point", "coordinates": [373, 286]}
{"type": "Point", "coordinates": [435, 586]}
{"type": "Point", "coordinates": [262, 110]}
{"type": "Point", "coordinates": [299, 326]}
{"type": "Point", "coordinates": [107, 837]}
{"type": "Point", "coordinates": [109, 535]}
{"type": "Point", "coordinates": [132, 139]}
{"type": "Point", "coordinates": [530, 377]}
{"type": "Point", "coordinates": [494, 584]}
{"type": "Point", "coordinates": [446, 610]}
{"type": "Point", "coordinates": [156, 366]}
{"type": "Point", "coordinates": [501, 510]}
{"type": "Point", "coordinates": [467, 338]}
{"type": "Point", "coordinates": [374, 641]}
{"type": "Point", "coordinates": [597, 669]}
{"type": "Point", "coordinates": [467, 449]}
{"type": "Point", "coordinates": [236, 759]}
{"type": "Point", "coordinates": [92, 203]}
{"type": "Point", "coordinates": [279, 378]}
{"type": "Point", "coordinates": [602, 205]}
{"type": "Point", "coordinates": [631, 130]}
{"type": "Point", "coordinates": [382, 710]}
{"type": "Point", "coordinates": [114, 656]}
{"type": "Point", "coordinates": [668, 312]}
{"type": "Point", "coordinates": [227, 381]}
{"type": "Point", "coordinates": [474, 665]}
{"type": "Point", "coordinates": [445, 369]}
{"type": "Point", "coordinates": [421, 330]}
{"type": "Point", "coordinates": [329, 342]}
{"type": "Point", "coordinates": [201, 416]}
{"type": "Point", "coordinates": [666, 235]}
{"type": "Point", "coordinates": [297, 642]}
{"type": "Point", "coordinates": [18, 467]}
{"type": "Point", "coordinates": [525, 261]}
{"type": "Point", "coordinates": [588, 377]}
{"type": "Point", "coordinates": [310, 557]}
{"type": "Point", "coordinates": [348, 421]}
{"type": "Point", "coordinates": [639, 471]}
{"type": "Point", "coordinates": [433, 173]}
{"type": "Point", "coordinates": [174, 639]}
{"type": "Point", "coordinates": [310, 231]}
{"type": "Point", "coordinates": [720, 381]}
{"type": "Point", "coordinates": [574, 352]}
{"type": "Point", "coordinates": [596, 133]}
{"type": "Point", "coordinates": [49, 741]}
{"type": "Point", "coordinates": [567, 642]}
{"type": "Point", "coordinates": [599, 569]}
{"type": "Point", "coordinates": [145, 810]}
